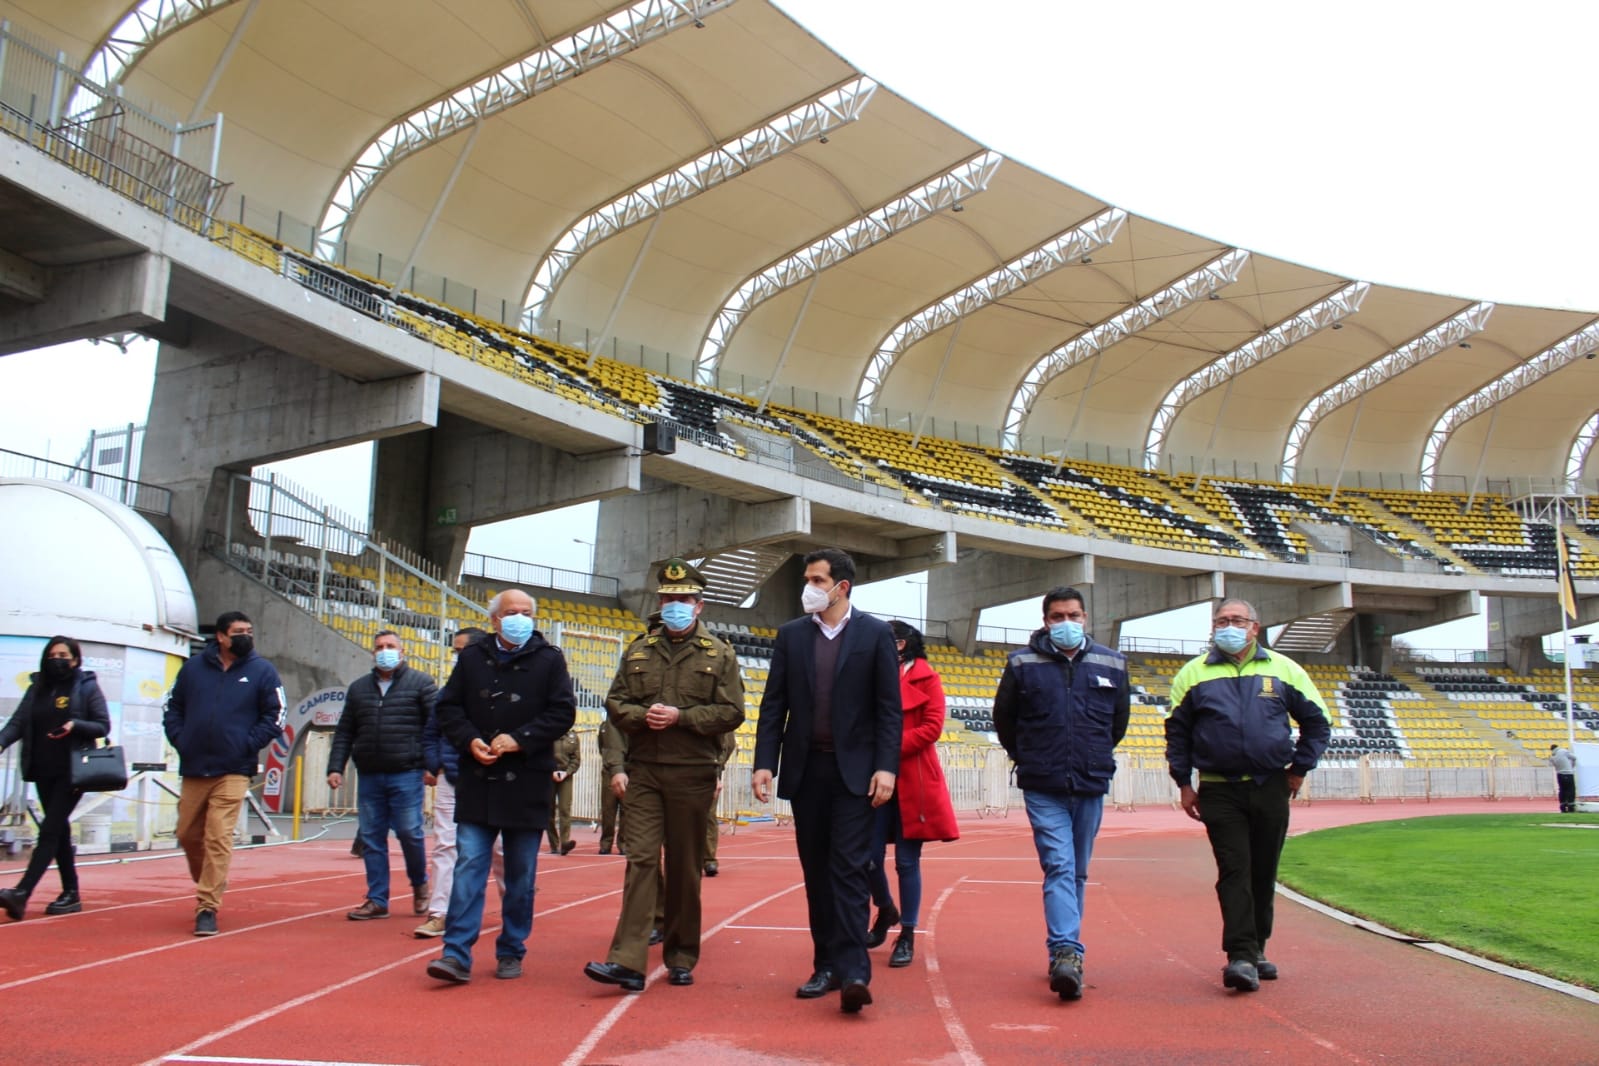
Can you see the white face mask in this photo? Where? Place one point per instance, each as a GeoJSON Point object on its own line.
{"type": "Point", "coordinates": [814, 600]}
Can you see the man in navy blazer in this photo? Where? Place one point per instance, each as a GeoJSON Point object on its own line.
{"type": "Point", "coordinates": [830, 729]}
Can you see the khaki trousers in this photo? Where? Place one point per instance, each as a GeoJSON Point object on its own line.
{"type": "Point", "coordinates": [667, 807]}
{"type": "Point", "coordinates": [208, 809]}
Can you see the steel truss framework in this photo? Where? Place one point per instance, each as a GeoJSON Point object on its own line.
{"type": "Point", "coordinates": [1500, 388]}
{"type": "Point", "coordinates": [1452, 331]}
{"type": "Point", "coordinates": [1581, 447]}
{"type": "Point", "coordinates": [622, 31]}
{"type": "Point", "coordinates": [1312, 320]}
{"type": "Point", "coordinates": [136, 33]}
{"type": "Point", "coordinates": [1025, 269]}
{"type": "Point", "coordinates": [785, 132]}
{"type": "Point", "coordinates": [917, 205]}
{"type": "Point", "coordinates": [1195, 286]}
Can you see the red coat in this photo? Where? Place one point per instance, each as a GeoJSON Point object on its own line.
{"type": "Point", "coordinates": [924, 808]}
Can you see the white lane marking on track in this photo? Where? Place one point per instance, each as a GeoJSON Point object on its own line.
{"type": "Point", "coordinates": [273, 1062]}
{"type": "Point", "coordinates": [192, 942]}
{"type": "Point", "coordinates": [606, 1024]}
{"type": "Point", "coordinates": [179, 899]}
{"type": "Point", "coordinates": [940, 989]}
{"type": "Point", "coordinates": [300, 1001]}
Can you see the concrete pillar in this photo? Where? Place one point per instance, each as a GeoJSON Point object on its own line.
{"type": "Point", "coordinates": [956, 595]}
{"type": "Point", "coordinates": [1517, 626]}
{"type": "Point", "coordinates": [1121, 595]}
{"type": "Point", "coordinates": [430, 488]}
{"type": "Point", "coordinates": [79, 302]}
{"type": "Point", "coordinates": [639, 532]}
{"type": "Point", "coordinates": [226, 402]}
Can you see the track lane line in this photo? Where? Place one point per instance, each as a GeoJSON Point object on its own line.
{"type": "Point", "coordinates": [603, 1027]}
{"type": "Point", "coordinates": [940, 988]}
{"type": "Point", "coordinates": [299, 1001]}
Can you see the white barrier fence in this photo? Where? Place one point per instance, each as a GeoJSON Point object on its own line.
{"type": "Point", "coordinates": [980, 784]}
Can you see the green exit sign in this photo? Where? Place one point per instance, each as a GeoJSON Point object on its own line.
{"type": "Point", "coordinates": [446, 516]}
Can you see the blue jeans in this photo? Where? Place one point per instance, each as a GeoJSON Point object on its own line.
{"type": "Point", "coordinates": [907, 865]}
{"type": "Point", "coordinates": [474, 845]}
{"type": "Point", "coordinates": [1064, 827]}
{"type": "Point", "coordinates": [384, 802]}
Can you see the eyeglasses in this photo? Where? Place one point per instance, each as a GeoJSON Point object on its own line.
{"type": "Point", "coordinates": [1232, 620]}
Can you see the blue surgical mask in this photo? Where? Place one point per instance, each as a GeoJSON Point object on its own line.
{"type": "Point", "coordinates": [387, 658]}
{"type": "Point", "coordinates": [516, 628]}
{"type": "Point", "coordinates": [678, 616]}
{"type": "Point", "coordinates": [1231, 639]}
{"type": "Point", "coordinates": [1066, 634]}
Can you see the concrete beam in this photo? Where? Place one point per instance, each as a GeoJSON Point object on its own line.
{"type": "Point", "coordinates": [432, 487]}
{"type": "Point", "coordinates": [1278, 604]}
{"type": "Point", "coordinates": [1121, 595]}
{"type": "Point", "coordinates": [956, 595]}
{"type": "Point", "coordinates": [912, 556]}
{"type": "Point", "coordinates": [1402, 613]}
{"type": "Point", "coordinates": [21, 279]}
{"type": "Point", "coordinates": [638, 532]}
{"type": "Point", "coordinates": [228, 402]}
{"type": "Point", "coordinates": [91, 300]}
{"type": "Point", "coordinates": [1517, 626]}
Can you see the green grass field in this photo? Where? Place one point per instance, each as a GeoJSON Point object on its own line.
{"type": "Point", "coordinates": [1507, 887]}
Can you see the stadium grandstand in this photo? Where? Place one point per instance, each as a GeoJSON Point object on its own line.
{"type": "Point", "coordinates": [683, 259]}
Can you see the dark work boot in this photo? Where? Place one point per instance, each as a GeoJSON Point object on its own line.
{"type": "Point", "coordinates": [66, 903]}
{"type": "Point", "coordinates": [13, 901]}
{"type": "Point", "coordinates": [904, 948]}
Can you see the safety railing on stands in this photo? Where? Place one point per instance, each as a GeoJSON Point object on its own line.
{"type": "Point", "coordinates": [149, 499]}
{"type": "Point", "coordinates": [336, 570]}
{"type": "Point", "coordinates": [493, 568]}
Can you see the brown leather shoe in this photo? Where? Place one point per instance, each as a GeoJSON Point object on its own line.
{"type": "Point", "coordinates": [367, 911]}
{"type": "Point", "coordinates": [419, 898]}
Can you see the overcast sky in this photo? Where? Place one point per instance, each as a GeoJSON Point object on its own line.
{"type": "Point", "coordinates": [1445, 147]}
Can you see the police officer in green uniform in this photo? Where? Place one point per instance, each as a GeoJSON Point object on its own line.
{"type": "Point", "coordinates": [676, 692]}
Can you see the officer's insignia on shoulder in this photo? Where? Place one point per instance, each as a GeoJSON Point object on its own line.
{"type": "Point", "coordinates": [638, 655]}
{"type": "Point", "coordinates": [675, 572]}
{"type": "Point", "coordinates": [652, 639]}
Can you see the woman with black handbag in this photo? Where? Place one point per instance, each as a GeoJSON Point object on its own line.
{"type": "Point", "coordinates": [62, 711]}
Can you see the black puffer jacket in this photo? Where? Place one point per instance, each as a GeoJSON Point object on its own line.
{"type": "Point", "coordinates": [384, 732]}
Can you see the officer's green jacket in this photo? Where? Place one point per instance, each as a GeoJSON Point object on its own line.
{"type": "Point", "coordinates": [569, 753]}
{"type": "Point", "coordinates": [698, 675]}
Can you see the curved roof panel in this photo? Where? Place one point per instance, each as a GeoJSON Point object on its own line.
{"type": "Point", "coordinates": [306, 87]}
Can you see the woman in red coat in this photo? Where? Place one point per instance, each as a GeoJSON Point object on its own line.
{"type": "Point", "coordinates": [921, 810]}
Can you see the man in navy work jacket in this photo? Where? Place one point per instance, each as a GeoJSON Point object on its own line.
{"type": "Point", "coordinates": [1061, 709]}
{"type": "Point", "coordinates": [225, 706]}
{"type": "Point", "coordinates": [507, 700]}
{"type": "Point", "coordinates": [830, 722]}
{"type": "Point", "coordinates": [386, 712]}
{"type": "Point", "coordinates": [1230, 720]}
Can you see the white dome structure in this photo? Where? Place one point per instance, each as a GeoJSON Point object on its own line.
{"type": "Point", "coordinates": [75, 562]}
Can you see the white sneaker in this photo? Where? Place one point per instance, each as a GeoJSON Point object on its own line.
{"type": "Point", "coordinates": [434, 926]}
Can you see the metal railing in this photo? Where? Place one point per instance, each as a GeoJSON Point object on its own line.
{"type": "Point", "coordinates": [536, 575]}
{"type": "Point", "coordinates": [148, 499]}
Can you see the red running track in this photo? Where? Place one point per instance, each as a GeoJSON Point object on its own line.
{"type": "Point", "coordinates": [291, 981]}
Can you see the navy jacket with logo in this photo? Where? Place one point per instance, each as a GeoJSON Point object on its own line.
{"type": "Point", "coordinates": [1060, 715]}
{"type": "Point", "coordinates": [220, 720]}
{"type": "Point", "coordinates": [1232, 719]}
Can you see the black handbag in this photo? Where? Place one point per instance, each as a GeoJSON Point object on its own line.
{"type": "Point", "coordinates": [99, 769]}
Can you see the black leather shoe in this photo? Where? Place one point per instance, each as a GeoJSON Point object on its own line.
{"type": "Point", "coordinates": [605, 849]}
{"type": "Point", "coordinates": [566, 849]}
{"type": "Point", "coordinates": [66, 903]}
{"type": "Point", "coordinates": [904, 948]}
{"type": "Point", "coordinates": [1242, 975]}
{"type": "Point", "coordinates": [679, 975]}
{"type": "Point", "coordinates": [711, 869]}
{"type": "Point", "coordinates": [13, 901]}
{"type": "Point", "coordinates": [656, 936]}
{"type": "Point", "coordinates": [820, 984]}
{"type": "Point", "coordinates": [609, 973]}
{"type": "Point", "coordinates": [856, 995]}
{"type": "Point", "coordinates": [887, 918]}
{"type": "Point", "coordinates": [1265, 969]}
